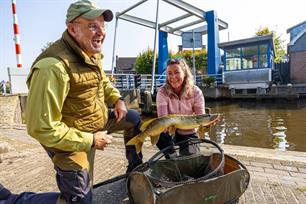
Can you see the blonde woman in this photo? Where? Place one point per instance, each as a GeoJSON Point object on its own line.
{"type": "Point", "coordinates": [178, 96]}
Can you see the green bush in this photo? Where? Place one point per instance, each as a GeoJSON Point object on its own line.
{"type": "Point", "coordinates": [209, 81]}
{"type": "Point", "coordinates": [200, 59]}
{"type": "Point", "coordinates": [144, 62]}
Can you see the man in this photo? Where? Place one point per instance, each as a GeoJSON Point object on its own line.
{"type": "Point", "coordinates": [67, 103]}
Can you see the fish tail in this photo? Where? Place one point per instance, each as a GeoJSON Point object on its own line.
{"type": "Point", "coordinates": [136, 142]}
{"type": "Point", "coordinates": [132, 141]}
{"type": "Point", "coordinates": [154, 139]}
{"type": "Point", "coordinates": [201, 132]}
{"type": "Point", "coordinates": [138, 146]}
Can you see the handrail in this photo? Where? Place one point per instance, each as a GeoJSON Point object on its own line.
{"type": "Point", "coordinates": [127, 81]}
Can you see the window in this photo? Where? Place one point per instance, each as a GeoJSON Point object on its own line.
{"type": "Point", "coordinates": [263, 49]}
{"type": "Point", "coordinates": [233, 63]}
{"type": "Point", "coordinates": [233, 59]}
{"type": "Point", "coordinates": [249, 62]}
{"type": "Point", "coordinates": [249, 51]}
{"type": "Point", "coordinates": [247, 57]}
{"type": "Point", "coordinates": [233, 52]}
{"type": "Point", "coordinates": [263, 62]}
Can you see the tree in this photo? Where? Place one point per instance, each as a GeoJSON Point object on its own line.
{"type": "Point", "coordinates": [144, 62]}
{"type": "Point", "coordinates": [200, 59]}
{"type": "Point", "coordinates": [8, 87]}
{"type": "Point", "coordinates": [280, 51]}
{"type": "Point", "coordinates": [46, 46]}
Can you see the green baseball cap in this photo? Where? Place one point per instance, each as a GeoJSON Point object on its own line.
{"type": "Point", "coordinates": [88, 10]}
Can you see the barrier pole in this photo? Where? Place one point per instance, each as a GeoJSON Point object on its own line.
{"type": "Point", "coordinates": [16, 35]}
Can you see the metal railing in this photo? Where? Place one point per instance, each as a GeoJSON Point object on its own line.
{"type": "Point", "coordinates": [120, 81]}
{"type": "Point", "coordinates": [127, 81]}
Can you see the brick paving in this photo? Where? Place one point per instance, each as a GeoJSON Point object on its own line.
{"type": "Point", "coordinates": [276, 176]}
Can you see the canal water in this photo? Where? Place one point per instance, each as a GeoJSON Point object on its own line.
{"type": "Point", "coordinates": [268, 124]}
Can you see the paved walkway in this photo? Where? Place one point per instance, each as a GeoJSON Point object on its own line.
{"type": "Point", "coordinates": [276, 176]}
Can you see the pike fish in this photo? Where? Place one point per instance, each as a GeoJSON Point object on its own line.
{"type": "Point", "coordinates": [152, 128]}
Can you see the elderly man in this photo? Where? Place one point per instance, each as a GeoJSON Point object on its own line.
{"type": "Point", "coordinates": [67, 103]}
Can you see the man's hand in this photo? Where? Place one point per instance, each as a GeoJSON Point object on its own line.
{"type": "Point", "coordinates": [120, 110]}
{"type": "Point", "coordinates": [102, 139]}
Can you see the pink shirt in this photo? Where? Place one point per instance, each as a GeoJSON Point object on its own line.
{"type": "Point", "coordinates": [188, 103]}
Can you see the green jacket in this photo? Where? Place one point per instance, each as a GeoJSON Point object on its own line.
{"type": "Point", "coordinates": [68, 92]}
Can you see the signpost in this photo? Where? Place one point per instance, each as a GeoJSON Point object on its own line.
{"type": "Point", "coordinates": [192, 40]}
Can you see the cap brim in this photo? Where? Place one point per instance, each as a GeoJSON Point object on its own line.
{"type": "Point", "coordinates": [92, 14]}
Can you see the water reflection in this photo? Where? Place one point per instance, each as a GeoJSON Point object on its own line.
{"type": "Point", "coordinates": [221, 134]}
{"type": "Point", "coordinates": [277, 125]}
{"type": "Point", "coordinates": [278, 130]}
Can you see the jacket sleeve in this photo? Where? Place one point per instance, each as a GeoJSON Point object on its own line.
{"type": "Point", "coordinates": [48, 85]}
{"type": "Point", "coordinates": [111, 94]}
{"type": "Point", "coordinates": [199, 104]}
{"type": "Point", "coordinates": [162, 102]}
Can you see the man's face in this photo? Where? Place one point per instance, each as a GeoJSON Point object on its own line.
{"type": "Point", "coordinates": [89, 34]}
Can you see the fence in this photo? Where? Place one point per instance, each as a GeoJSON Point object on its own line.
{"type": "Point", "coordinates": [127, 81]}
{"type": "Point", "coordinates": [120, 81]}
{"type": "Point", "coordinates": [281, 73]}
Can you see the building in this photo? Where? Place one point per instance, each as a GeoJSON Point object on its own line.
{"type": "Point", "coordinates": [297, 53]}
{"type": "Point", "coordinates": [248, 64]}
{"type": "Point", "coordinates": [125, 65]}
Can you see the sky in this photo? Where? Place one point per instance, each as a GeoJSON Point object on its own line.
{"type": "Point", "coordinates": [42, 21]}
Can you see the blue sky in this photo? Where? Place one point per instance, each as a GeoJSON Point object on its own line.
{"type": "Point", "coordinates": [42, 21]}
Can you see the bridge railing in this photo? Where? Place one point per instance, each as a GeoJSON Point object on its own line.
{"type": "Point", "coordinates": [127, 81]}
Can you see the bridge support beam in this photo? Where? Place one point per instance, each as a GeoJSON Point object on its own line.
{"type": "Point", "coordinates": [213, 53]}
{"type": "Point", "coordinates": [162, 51]}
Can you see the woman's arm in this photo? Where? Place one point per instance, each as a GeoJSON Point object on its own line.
{"type": "Point", "coordinates": [199, 102]}
{"type": "Point", "coordinates": [162, 102]}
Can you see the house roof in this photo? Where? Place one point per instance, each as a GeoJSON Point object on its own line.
{"type": "Point", "coordinates": [297, 25]}
{"type": "Point", "coordinates": [246, 41]}
{"type": "Point", "coordinates": [300, 34]}
{"type": "Point", "coordinates": [125, 63]}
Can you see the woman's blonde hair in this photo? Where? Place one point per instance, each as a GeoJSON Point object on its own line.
{"type": "Point", "coordinates": [188, 80]}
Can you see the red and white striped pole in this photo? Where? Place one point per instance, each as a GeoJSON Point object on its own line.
{"type": "Point", "coordinates": [16, 35]}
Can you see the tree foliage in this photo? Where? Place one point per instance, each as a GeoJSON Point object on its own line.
{"type": "Point", "coordinates": [280, 51]}
{"type": "Point", "coordinates": [144, 61]}
{"type": "Point", "coordinates": [46, 46]}
{"type": "Point", "coordinates": [200, 59]}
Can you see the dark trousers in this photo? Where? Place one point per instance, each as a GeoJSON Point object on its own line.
{"type": "Point", "coordinates": [74, 170]}
{"type": "Point", "coordinates": [131, 126]}
{"type": "Point", "coordinates": [166, 140]}
{"type": "Point", "coordinates": [32, 198]}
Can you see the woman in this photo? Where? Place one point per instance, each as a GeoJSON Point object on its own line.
{"type": "Point", "coordinates": [178, 96]}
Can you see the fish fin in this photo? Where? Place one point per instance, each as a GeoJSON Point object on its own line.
{"type": "Point", "coordinates": [138, 146]}
{"type": "Point", "coordinates": [145, 124]}
{"type": "Point", "coordinates": [171, 130]}
{"type": "Point", "coordinates": [154, 139]}
{"type": "Point", "coordinates": [132, 141]}
{"type": "Point", "coordinates": [201, 132]}
{"type": "Point", "coordinates": [215, 118]}
{"type": "Point", "coordinates": [136, 142]}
